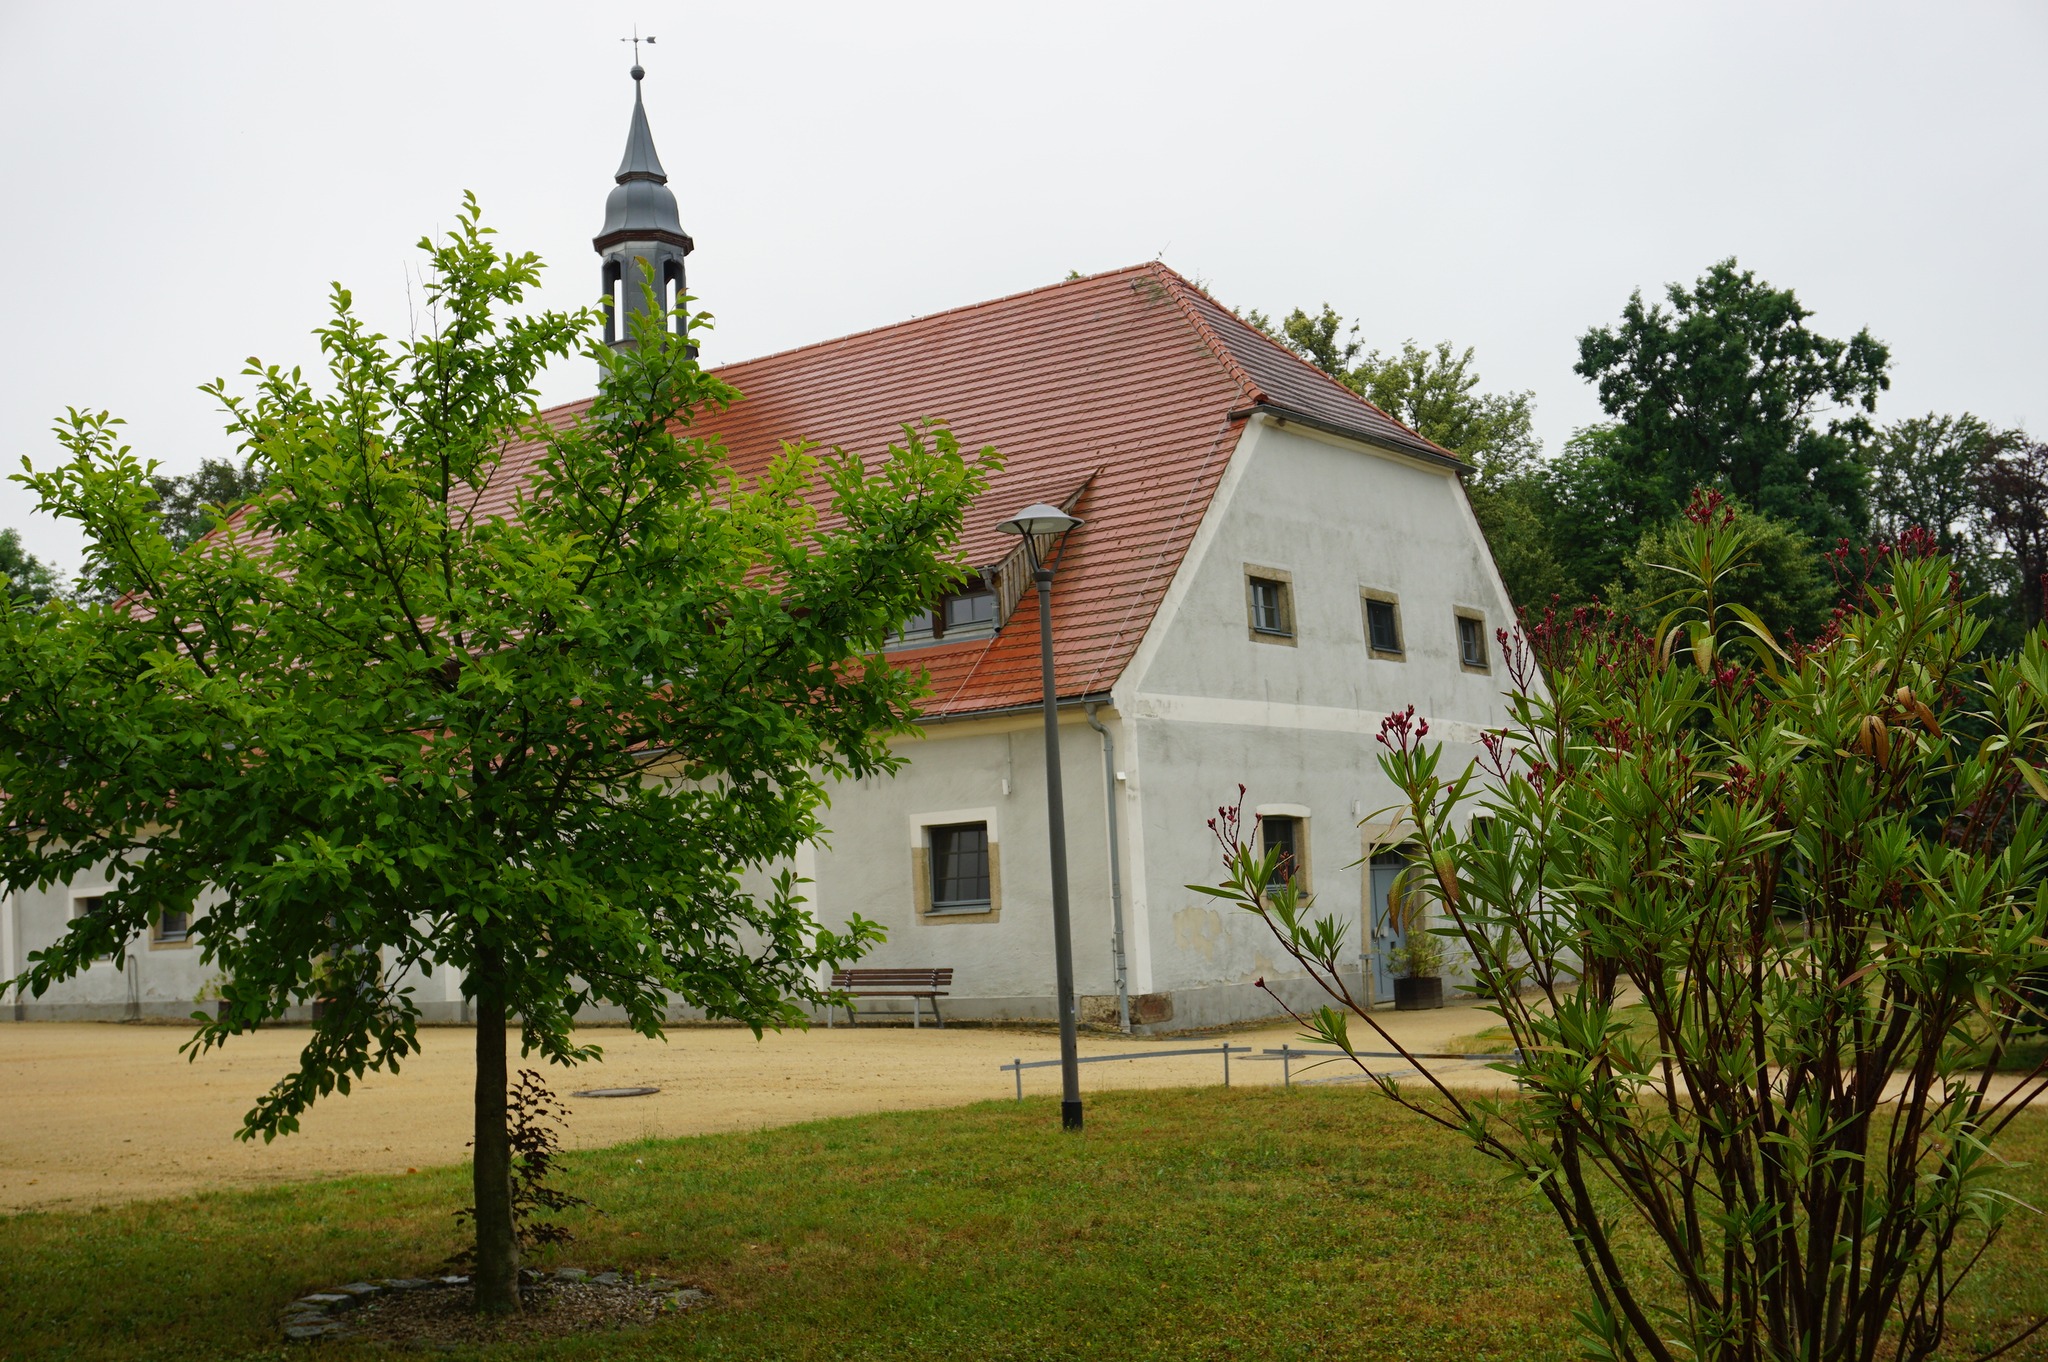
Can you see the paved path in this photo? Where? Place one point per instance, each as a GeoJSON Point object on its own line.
{"type": "Point", "coordinates": [97, 1112]}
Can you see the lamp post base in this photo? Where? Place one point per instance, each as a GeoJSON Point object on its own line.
{"type": "Point", "coordinates": [1070, 1115]}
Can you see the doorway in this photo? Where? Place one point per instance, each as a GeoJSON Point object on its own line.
{"type": "Point", "coordinates": [1385, 931]}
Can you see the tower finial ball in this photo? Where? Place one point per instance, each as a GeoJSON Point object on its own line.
{"type": "Point", "coordinates": [638, 71]}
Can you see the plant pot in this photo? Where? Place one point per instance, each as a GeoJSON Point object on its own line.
{"type": "Point", "coordinates": [1418, 995]}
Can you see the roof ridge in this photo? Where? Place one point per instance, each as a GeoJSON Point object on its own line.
{"type": "Point", "coordinates": [1178, 288]}
{"type": "Point", "coordinates": [893, 326]}
{"type": "Point", "coordinates": [933, 316]}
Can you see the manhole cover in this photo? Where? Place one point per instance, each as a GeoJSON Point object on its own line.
{"type": "Point", "coordinates": [617, 1092]}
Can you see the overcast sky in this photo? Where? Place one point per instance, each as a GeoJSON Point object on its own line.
{"type": "Point", "coordinates": [181, 182]}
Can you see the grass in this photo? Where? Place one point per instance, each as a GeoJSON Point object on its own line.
{"type": "Point", "coordinates": [1199, 1224]}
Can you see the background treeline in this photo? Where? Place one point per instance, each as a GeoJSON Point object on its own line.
{"type": "Point", "coordinates": [187, 507]}
{"type": "Point", "coordinates": [1724, 385]}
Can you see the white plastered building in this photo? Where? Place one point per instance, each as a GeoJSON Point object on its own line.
{"type": "Point", "coordinates": [1269, 566]}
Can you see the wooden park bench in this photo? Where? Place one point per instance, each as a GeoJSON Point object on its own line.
{"type": "Point", "coordinates": [914, 984]}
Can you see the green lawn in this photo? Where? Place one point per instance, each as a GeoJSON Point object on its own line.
{"type": "Point", "coordinates": [1194, 1224]}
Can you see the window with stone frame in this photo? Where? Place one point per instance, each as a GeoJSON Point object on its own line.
{"type": "Point", "coordinates": [1269, 604]}
{"type": "Point", "coordinates": [1472, 650]}
{"type": "Point", "coordinates": [1383, 625]}
{"type": "Point", "coordinates": [1282, 833]}
{"type": "Point", "coordinates": [960, 873]}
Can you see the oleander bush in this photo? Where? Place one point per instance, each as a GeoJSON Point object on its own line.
{"type": "Point", "coordinates": [1813, 876]}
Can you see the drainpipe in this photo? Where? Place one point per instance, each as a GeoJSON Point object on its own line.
{"type": "Point", "coordinates": [1116, 876]}
{"type": "Point", "coordinates": [10, 931]}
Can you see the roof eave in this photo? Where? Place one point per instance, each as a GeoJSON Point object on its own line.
{"type": "Point", "coordinates": [1008, 711]}
{"type": "Point", "coordinates": [1429, 454]}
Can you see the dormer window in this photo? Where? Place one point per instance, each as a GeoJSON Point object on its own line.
{"type": "Point", "coordinates": [922, 627]}
{"type": "Point", "coordinates": [963, 614]}
{"type": "Point", "coordinates": [971, 611]}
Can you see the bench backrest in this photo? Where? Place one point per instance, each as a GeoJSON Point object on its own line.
{"type": "Point", "coordinates": [892, 978]}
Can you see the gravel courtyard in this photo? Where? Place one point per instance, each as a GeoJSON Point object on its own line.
{"type": "Point", "coordinates": [98, 1112]}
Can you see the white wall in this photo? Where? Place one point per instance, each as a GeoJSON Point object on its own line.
{"type": "Point", "coordinates": [1297, 725]}
{"type": "Point", "coordinates": [1003, 964]}
{"type": "Point", "coordinates": [158, 980]}
{"type": "Point", "coordinates": [1201, 708]}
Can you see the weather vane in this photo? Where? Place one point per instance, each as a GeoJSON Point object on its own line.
{"type": "Point", "coordinates": [636, 40]}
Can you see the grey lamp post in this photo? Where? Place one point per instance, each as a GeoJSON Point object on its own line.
{"type": "Point", "coordinates": [1034, 523]}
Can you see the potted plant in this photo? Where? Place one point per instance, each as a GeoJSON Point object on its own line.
{"type": "Point", "coordinates": [1418, 962]}
{"type": "Point", "coordinates": [1418, 972]}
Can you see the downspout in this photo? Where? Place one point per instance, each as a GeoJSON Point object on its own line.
{"type": "Point", "coordinates": [10, 931]}
{"type": "Point", "coordinates": [1116, 875]}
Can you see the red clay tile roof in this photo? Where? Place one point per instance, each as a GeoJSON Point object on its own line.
{"type": "Point", "coordinates": [1134, 379]}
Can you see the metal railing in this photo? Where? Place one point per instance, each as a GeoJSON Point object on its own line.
{"type": "Point", "coordinates": [1018, 1066]}
{"type": "Point", "coordinates": [1287, 1054]}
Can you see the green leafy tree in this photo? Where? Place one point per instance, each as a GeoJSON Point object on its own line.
{"type": "Point", "coordinates": [190, 505]}
{"type": "Point", "coordinates": [372, 725]}
{"type": "Point", "coordinates": [1324, 340]}
{"type": "Point", "coordinates": [1434, 391]}
{"type": "Point", "coordinates": [2011, 487]}
{"type": "Point", "coordinates": [1762, 928]}
{"type": "Point", "coordinates": [1938, 473]}
{"type": "Point", "coordinates": [1728, 387]}
{"type": "Point", "coordinates": [1518, 517]}
{"type": "Point", "coordinates": [1923, 474]}
{"type": "Point", "coordinates": [27, 579]}
{"type": "Point", "coordinates": [1774, 571]}
{"type": "Point", "coordinates": [1586, 513]}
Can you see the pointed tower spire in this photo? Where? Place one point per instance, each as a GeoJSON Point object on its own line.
{"type": "Point", "coordinates": [642, 242]}
{"type": "Point", "coordinates": [640, 162]}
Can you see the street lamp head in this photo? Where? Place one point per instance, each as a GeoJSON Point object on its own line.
{"type": "Point", "coordinates": [1040, 519]}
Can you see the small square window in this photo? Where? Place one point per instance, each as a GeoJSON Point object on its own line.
{"type": "Point", "coordinates": [172, 927]}
{"type": "Point", "coordinates": [1272, 607]}
{"type": "Point", "coordinates": [959, 868]}
{"type": "Point", "coordinates": [1282, 833]}
{"type": "Point", "coordinates": [88, 905]}
{"type": "Point", "coordinates": [1383, 626]}
{"type": "Point", "coordinates": [1472, 642]}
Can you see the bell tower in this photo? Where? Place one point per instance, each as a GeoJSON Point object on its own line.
{"type": "Point", "coordinates": [643, 241]}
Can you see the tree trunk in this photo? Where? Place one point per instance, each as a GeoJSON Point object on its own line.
{"type": "Point", "coordinates": [497, 1252]}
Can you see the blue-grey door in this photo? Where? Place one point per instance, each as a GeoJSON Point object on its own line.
{"type": "Point", "coordinates": [1386, 935]}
